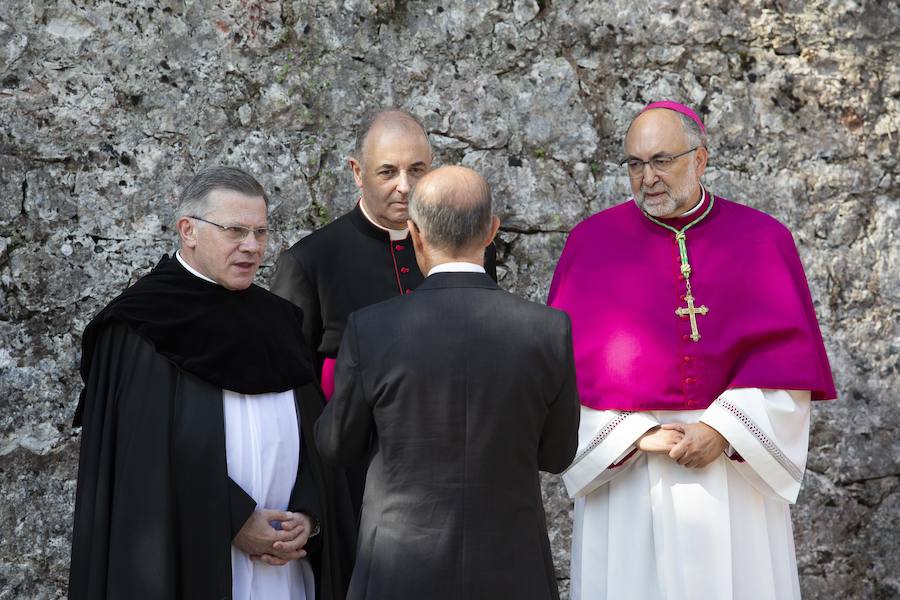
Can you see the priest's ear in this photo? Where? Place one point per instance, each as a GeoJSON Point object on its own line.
{"type": "Point", "coordinates": [356, 167]}
{"type": "Point", "coordinates": [416, 235]}
{"type": "Point", "coordinates": [187, 231]}
{"type": "Point", "coordinates": [492, 232]}
{"type": "Point", "coordinates": [700, 158]}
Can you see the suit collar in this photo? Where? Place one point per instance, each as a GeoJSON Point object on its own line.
{"type": "Point", "coordinates": [457, 279]}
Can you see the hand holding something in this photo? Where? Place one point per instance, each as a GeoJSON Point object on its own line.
{"type": "Point", "coordinates": [701, 444]}
{"type": "Point", "coordinates": [659, 439]}
{"type": "Point", "coordinates": [258, 537]}
{"type": "Point", "coordinates": [300, 525]}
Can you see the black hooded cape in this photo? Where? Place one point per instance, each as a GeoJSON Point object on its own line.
{"type": "Point", "coordinates": [155, 510]}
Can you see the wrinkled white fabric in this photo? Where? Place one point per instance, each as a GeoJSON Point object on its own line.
{"type": "Point", "coordinates": [652, 529]}
{"type": "Point", "coordinates": [262, 444]}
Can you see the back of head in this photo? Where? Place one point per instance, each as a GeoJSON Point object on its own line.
{"type": "Point", "coordinates": [194, 199]}
{"type": "Point", "coordinates": [452, 207]}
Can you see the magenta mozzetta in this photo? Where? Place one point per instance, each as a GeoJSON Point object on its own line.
{"type": "Point", "coordinates": [619, 279]}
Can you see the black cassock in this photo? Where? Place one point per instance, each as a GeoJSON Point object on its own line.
{"type": "Point", "coordinates": [338, 269]}
{"type": "Point", "coordinates": [155, 510]}
{"type": "Point", "coordinates": [468, 391]}
{"type": "Point", "coordinates": [342, 267]}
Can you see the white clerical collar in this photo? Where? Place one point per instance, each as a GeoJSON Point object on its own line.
{"type": "Point", "coordinates": [456, 267]}
{"type": "Point", "coordinates": [699, 204]}
{"type": "Point", "coordinates": [396, 234]}
{"type": "Point", "coordinates": [191, 269]}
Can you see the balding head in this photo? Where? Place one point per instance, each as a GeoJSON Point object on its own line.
{"type": "Point", "coordinates": [392, 152]}
{"type": "Point", "coordinates": [667, 159]}
{"type": "Point", "coordinates": [392, 120]}
{"type": "Point", "coordinates": [451, 206]}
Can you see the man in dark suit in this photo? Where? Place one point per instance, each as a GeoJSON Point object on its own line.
{"type": "Point", "coordinates": [468, 392]}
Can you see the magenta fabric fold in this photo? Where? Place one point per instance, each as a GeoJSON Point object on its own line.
{"type": "Point", "coordinates": [328, 378]}
{"type": "Point", "coordinates": [618, 279]}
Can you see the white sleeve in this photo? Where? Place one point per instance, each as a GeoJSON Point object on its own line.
{"type": "Point", "coordinates": [605, 447]}
{"type": "Point", "coordinates": [769, 431]}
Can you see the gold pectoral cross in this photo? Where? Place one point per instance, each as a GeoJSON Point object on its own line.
{"type": "Point", "coordinates": [692, 312]}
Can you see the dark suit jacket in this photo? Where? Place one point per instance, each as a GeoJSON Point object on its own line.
{"type": "Point", "coordinates": [469, 391]}
{"type": "Point", "coordinates": [342, 267]}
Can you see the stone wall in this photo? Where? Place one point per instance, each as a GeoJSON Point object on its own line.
{"type": "Point", "coordinates": [107, 107]}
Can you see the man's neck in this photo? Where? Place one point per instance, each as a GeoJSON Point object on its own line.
{"type": "Point", "coordinates": [456, 266]}
{"type": "Point", "coordinates": [697, 204]}
{"type": "Point", "coordinates": [436, 259]}
{"type": "Point", "coordinates": [396, 234]}
{"type": "Point", "coordinates": [190, 268]}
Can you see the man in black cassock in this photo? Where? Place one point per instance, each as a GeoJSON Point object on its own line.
{"type": "Point", "coordinates": [197, 475]}
{"type": "Point", "coordinates": [365, 256]}
{"type": "Point", "coordinates": [467, 391]}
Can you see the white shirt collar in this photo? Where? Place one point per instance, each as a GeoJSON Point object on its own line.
{"type": "Point", "coordinates": [699, 204]}
{"type": "Point", "coordinates": [191, 269]}
{"type": "Point", "coordinates": [396, 234]}
{"type": "Point", "coordinates": [456, 267]}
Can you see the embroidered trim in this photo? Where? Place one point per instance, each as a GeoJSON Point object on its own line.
{"type": "Point", "coordinates": [601, 435]}
{"type": "Point", "coordinates": [754, 429]}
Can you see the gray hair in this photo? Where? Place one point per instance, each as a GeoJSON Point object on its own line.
{"type": "Point", "coordinates": [194, 199]}
{"type": "Point", "coordinates": [395, 115]}
{"type": "Point", "coordinates": [449, 223]}
{"type": "Point", "coordinates": [692, 132]}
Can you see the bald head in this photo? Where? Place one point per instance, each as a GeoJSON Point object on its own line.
{"type": "Point", "coordinates": [694, 133]}
{"type": "Point", "coordinates": [451, 206]}
{"type": "Point", "coordinates": [391, 121]}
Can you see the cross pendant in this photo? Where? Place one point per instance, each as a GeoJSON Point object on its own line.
{"type": "Point", "coordinates": [692, 312]}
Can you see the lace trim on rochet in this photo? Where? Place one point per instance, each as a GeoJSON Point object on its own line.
{"type": "Point", "coordinates": [601, 435]}
{"type": "Point", "coordinates": [754, 429]}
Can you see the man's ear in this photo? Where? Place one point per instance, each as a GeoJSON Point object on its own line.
{"type": "Point", "coordinates": [356, 167]}
{"type": "Point", "coordinates": [700, 160]}
{"type": "Point", "coordinates": [416, 236]}
{"type": "Point", "coordinates": [495, 227]}
{"type": "Point", "coordinates": [187, 231]}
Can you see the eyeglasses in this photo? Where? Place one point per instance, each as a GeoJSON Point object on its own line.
{"type": "Point", "coordinates": [660, 164]}
{"type": "Point", "coordinates": [236, 233]}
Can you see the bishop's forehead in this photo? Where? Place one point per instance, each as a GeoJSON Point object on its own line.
{"type": "Point", "coordinates": [655, 130]}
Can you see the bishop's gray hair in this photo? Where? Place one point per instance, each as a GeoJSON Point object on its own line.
{"type": "Point", "coordinates": [692, 132]}
{"type": "Point", "coordinates": [451, 225]}
{"type": "Point", "coordinates": [194, 199]}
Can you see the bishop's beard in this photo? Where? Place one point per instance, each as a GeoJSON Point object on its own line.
{"type": "Point", "coordinates": [676, 199]}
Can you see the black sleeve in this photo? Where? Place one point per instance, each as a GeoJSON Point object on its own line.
{"type": "Point", "coordinates": [559, 439]}
{"type": "Point", "coordinates": [291, 281]}
{"type": "Point", "coordinates": [124, 542]}
{"type": "Point", "coordinates": [490, 260]}
{"type": "Point", "coordinates": [306, 496]}
{"type": "Point", "coordinates": [240, 505]}
{"type": "Point", "coordinates": [343, 433]}
{"type": "Point", "coordinates": [322, 489]}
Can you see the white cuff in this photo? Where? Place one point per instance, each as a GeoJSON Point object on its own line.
{"type": "Point", "coordinates": [602, 447]}
{"type": "Point", "coordinates": [757, 447]}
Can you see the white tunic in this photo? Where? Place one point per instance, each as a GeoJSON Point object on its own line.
{"type": "Point", "coordinates": [262, 446]}
{"type": "Point", "coordinates": [647, 528]}
{"type": "Point", "coordinates": [262, 451]}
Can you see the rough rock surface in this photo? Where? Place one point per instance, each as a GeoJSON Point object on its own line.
{"type": "Point", "coordinates": [107, 107]}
